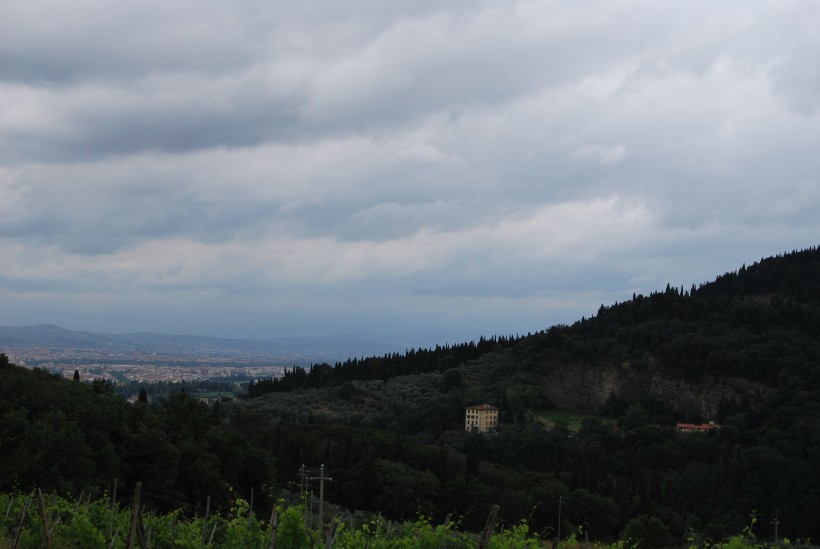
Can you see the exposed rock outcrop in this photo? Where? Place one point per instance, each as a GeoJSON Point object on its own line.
{"type": "Point", "coordinates": [587, 387]}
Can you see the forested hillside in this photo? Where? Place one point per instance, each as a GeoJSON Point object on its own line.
{"type": "Point", "coordinates": [742, 351]}
{"type": "Point", "coordinates": [71, 437]}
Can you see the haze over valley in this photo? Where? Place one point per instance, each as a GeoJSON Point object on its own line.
{"type": "Point", "coordinates": [149, 357]}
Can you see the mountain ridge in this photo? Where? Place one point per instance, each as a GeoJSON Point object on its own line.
{"type": "Point", "coordinates": [303, 349]}
{"type": "Point", "coordinates": [735, 339]}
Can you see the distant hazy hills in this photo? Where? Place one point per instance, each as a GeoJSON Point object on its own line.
{"type": "Point", "coordinates": [297, 349]}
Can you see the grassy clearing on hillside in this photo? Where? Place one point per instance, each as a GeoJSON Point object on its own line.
{"type": "Point", "coordinates": [549, 418]}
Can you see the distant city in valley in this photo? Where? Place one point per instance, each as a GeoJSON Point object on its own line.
{"type": "Point", "coordinates": [163, 357]}
{"type": "Point", "coordinates": [153, 358]}
{"type": "Point", "coordinates": [146, 368]}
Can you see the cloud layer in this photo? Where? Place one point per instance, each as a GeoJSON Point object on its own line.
{"type": "Point", "coordinates": [264, 169]}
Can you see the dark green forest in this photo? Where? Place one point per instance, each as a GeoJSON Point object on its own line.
{"type": "Point", "coordinates": [71, 437]}
{"type": "Point", "coordinates": [390, 429]}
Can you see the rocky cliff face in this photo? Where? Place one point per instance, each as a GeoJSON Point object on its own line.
{"type": "Point", "coordinates": [587, 387]}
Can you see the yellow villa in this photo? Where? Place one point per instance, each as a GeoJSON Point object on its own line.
{"type": "Point", "coordinates": [482, 417]}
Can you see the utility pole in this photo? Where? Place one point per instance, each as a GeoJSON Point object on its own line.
{"type": "Point", "coordinates": [321, 478]}
{"type": "Point", "coordinates": [560, 501]}
{"type": "Point", "coordinates": [776, 522]}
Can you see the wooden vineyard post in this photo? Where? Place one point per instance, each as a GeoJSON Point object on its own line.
{"type": "Point", "coordinates": [111, 510]}
{"type": "Point", "coordinates": [205, 521]}
{"type": "Point", "coordinates": [12, 501]}
{"type": "Point", "coordinates": [487, 534]}
{"type": "Point", "coordinates": [135, 513]}
{"type": "Point", "coordinates": [41, 507]}
{"type": "Point", "coordinates": [560, 502]}
{"type": "Point", "coordinates": [20, 525]}
{"type": "Point", "coordinates": [274, 523]}
{"type": "Point", "coordinates": [250, 513]}
{"type": "Point", "coordinates": [79, 501]}
{"type": "Point", "coordinates": [330, 537]}
{"type": "Point", "coordinates": [136, 520]}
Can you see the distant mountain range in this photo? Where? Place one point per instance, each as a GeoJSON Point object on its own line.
{"type": "Point", "coordinates": [296, 349]}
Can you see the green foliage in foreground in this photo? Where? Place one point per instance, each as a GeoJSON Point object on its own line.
{"type": "Point", "coordinates": [96, 524]}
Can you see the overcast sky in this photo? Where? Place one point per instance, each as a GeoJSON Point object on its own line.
{"type": "Point", "coordinates": [261, 169]}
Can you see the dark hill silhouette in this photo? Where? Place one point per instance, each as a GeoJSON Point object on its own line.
{"type": "Point", "coordinates": [735, 337]}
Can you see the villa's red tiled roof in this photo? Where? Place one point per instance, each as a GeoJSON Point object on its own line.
{"type": "Point", "coordinates": [482, 407]}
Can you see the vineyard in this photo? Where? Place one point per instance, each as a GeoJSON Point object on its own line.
{"type": "Point", "coordinates": [37, 521]}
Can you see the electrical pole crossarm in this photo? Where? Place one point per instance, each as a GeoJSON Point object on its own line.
{"type": "Point", "coordinates": [321, 478]}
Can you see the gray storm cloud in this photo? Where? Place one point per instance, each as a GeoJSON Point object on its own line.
{"type": "Point", "coordinates": [475, 166]}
